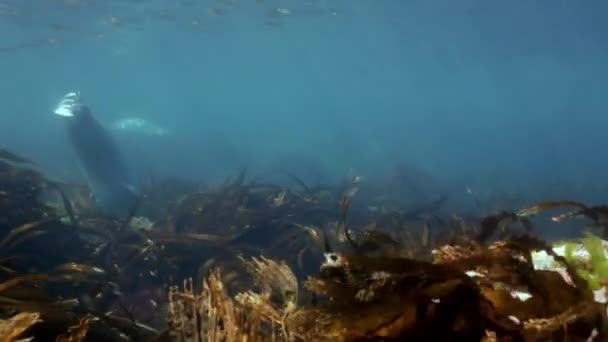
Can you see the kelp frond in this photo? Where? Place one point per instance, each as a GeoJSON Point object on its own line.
{"type": "Point", "coordinates": [78, 332]}
{"type": "Point", "coordinates": [11, 329]}
{"type": "Point", "coordinates": [212, 316]}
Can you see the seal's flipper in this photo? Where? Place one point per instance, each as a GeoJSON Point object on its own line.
{"type": "Point", "coordinates": [67, 104]}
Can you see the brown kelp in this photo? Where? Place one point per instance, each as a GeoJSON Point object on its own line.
{"type": "Point", "coordinates": [269, 262]}
{"type": "Point", "coordinates": [597, 214]}
{"type": "Point", "coordinates": [464, 296]}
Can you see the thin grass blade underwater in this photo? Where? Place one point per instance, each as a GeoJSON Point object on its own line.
{"type": "Point", "coordinates": [303, 170]}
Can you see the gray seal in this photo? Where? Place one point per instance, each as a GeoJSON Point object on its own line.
{"type": "Point", "coordinates": [102, 163]}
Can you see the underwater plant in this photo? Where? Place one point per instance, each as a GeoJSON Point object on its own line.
{"type": "Point", "coordinates": [590, 258]}
{"type": "Point", "coordinates": [265, 262]}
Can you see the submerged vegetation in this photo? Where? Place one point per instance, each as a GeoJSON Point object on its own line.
{"type": "Point", "coordinates": [262, 262]}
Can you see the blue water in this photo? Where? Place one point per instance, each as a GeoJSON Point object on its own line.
{"type": "Point", "coordinates": [499, 96]}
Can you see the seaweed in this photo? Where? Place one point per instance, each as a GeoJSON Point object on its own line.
{"type": "Point", "coordinates": [12, 328]}
{"type": "Point", "coordinates": [372, 298]}
{"type": "Point", "coordinates": [77, 333]}
{"type": "Point", "coordinates": [598, 214]}
{"type": "Point", "coordinates": [209, 316]}
{"type": "Point", "coordinates": [13, 158]}
{"type": "Point", "coordinates": [268, 262]}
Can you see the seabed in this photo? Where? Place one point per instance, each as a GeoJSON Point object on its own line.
{"type": "Point", "coordinates": [246, 261]}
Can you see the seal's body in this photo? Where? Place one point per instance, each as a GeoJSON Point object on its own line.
{"type": "Point", "coordinates": [107, 172]}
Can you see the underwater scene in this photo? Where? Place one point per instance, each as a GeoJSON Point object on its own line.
{"type": "Point", "coordinates": [303, 170]}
